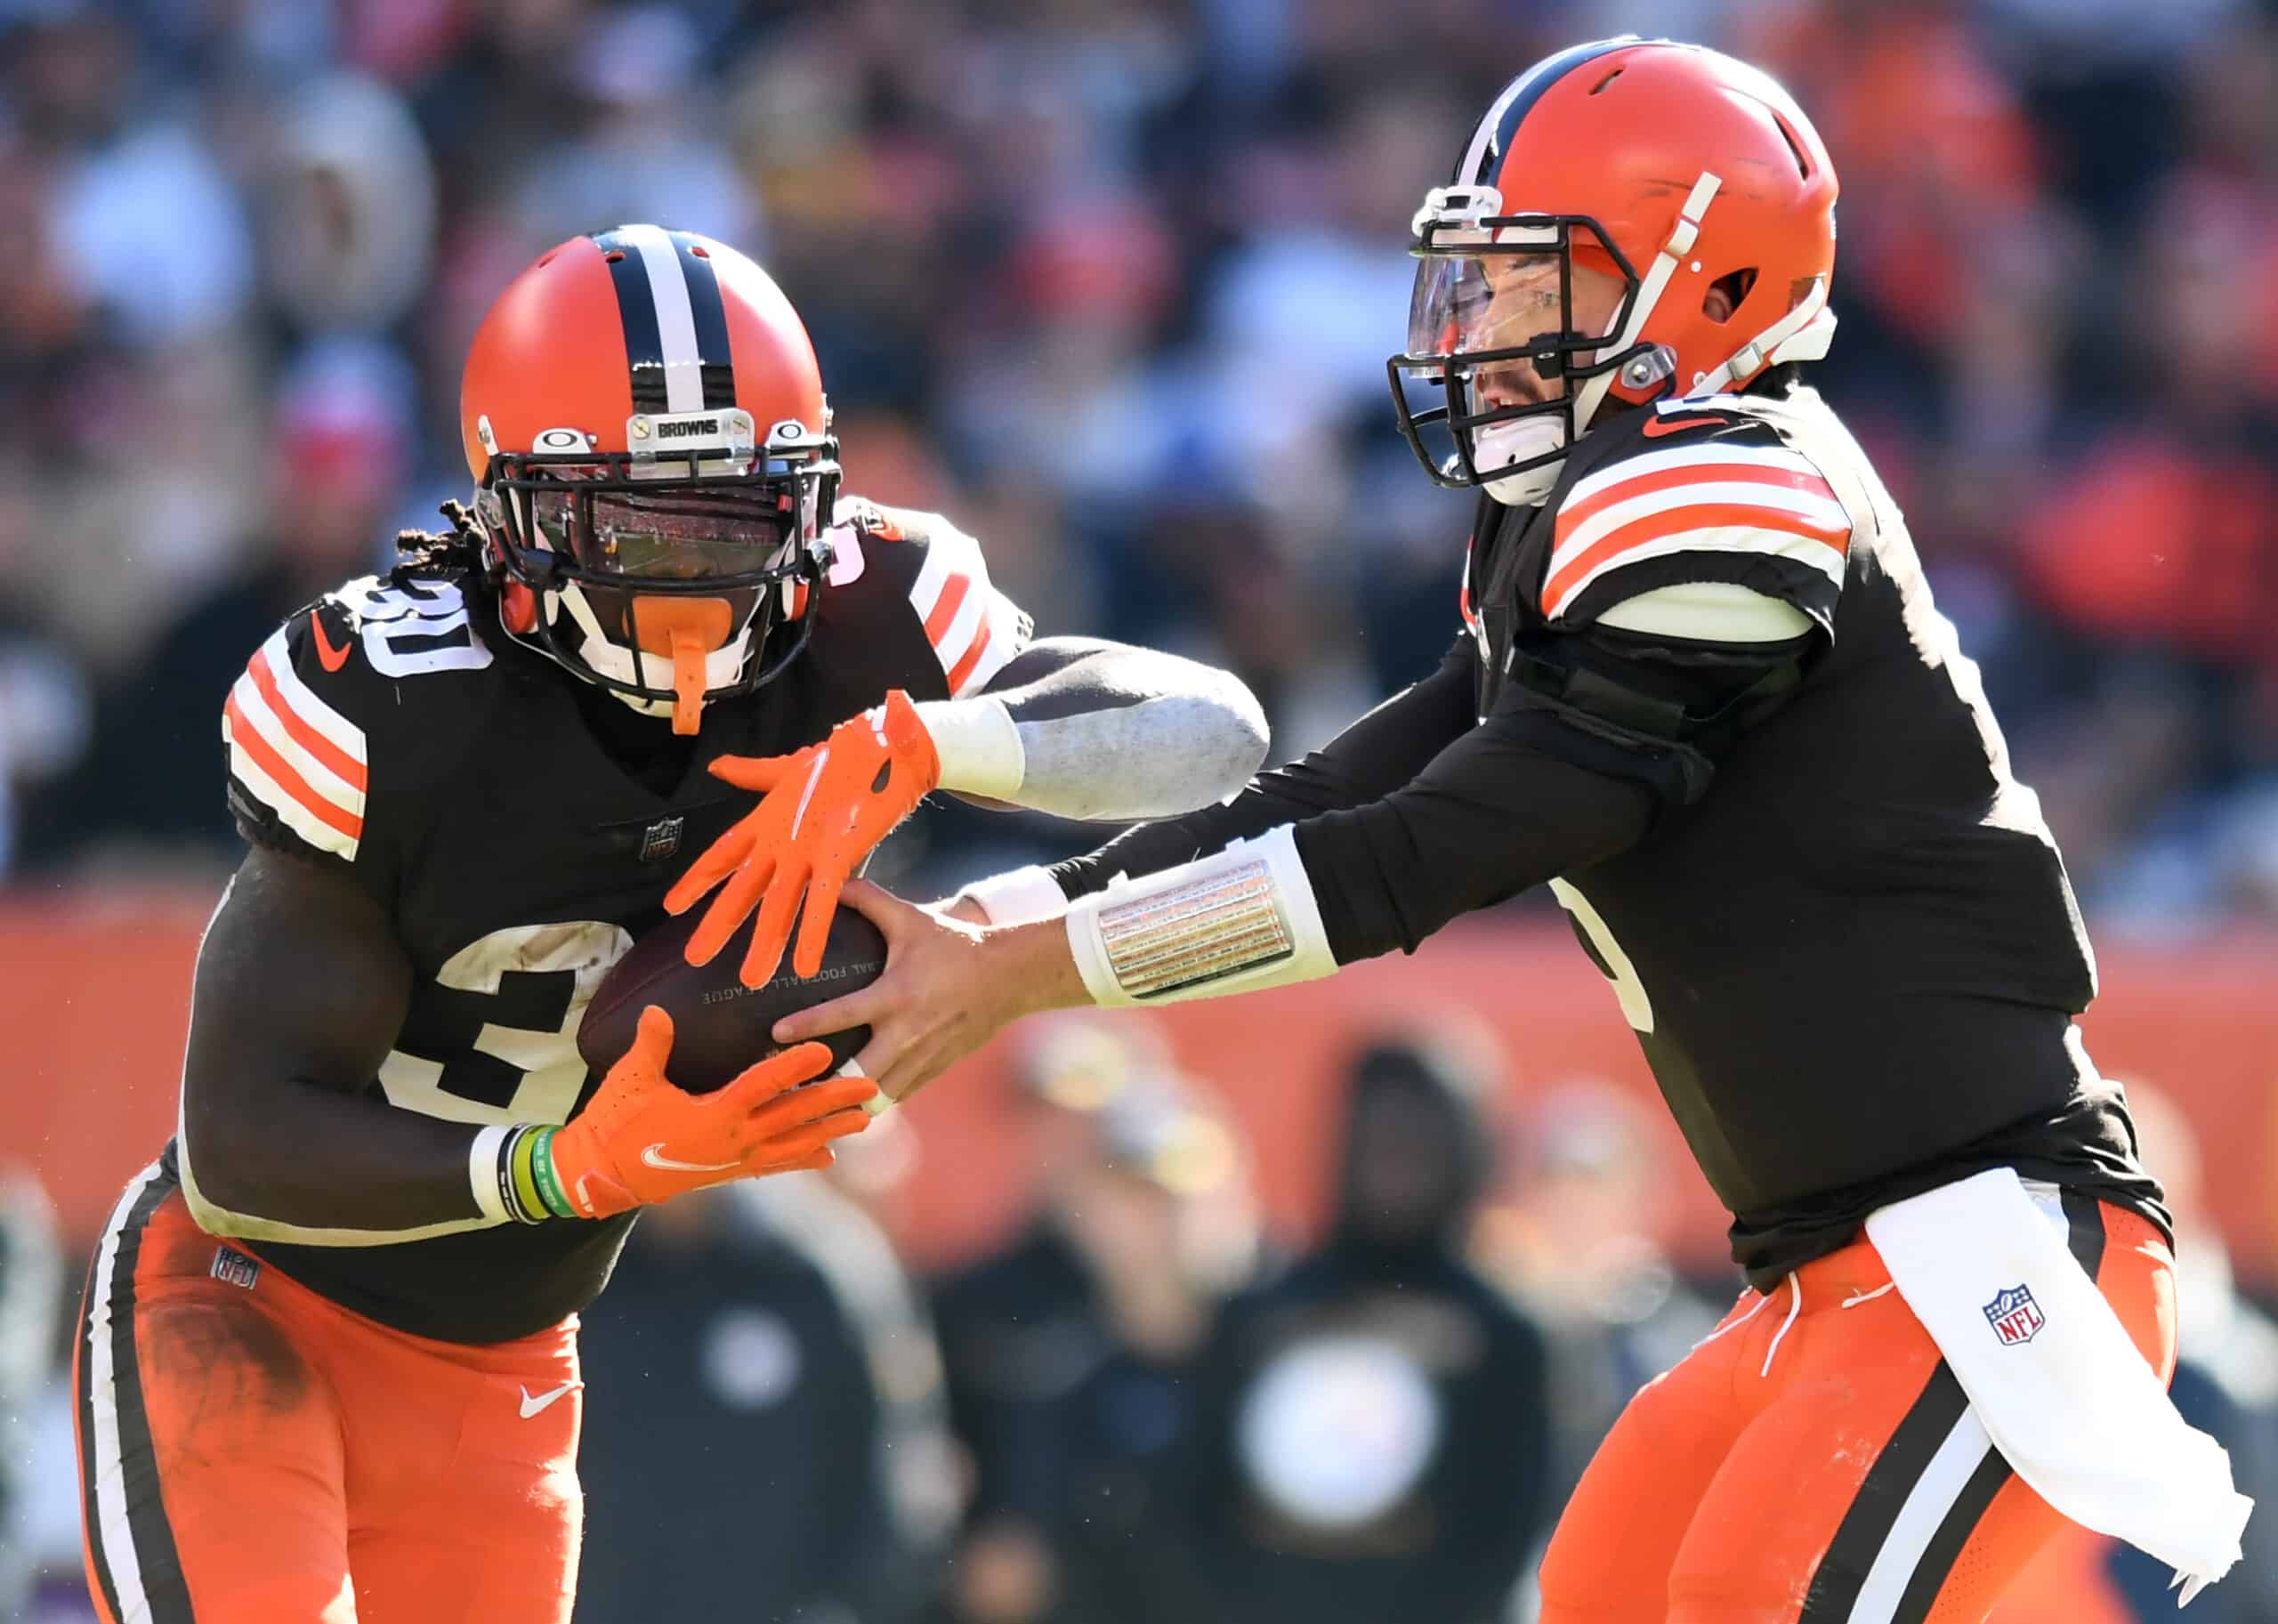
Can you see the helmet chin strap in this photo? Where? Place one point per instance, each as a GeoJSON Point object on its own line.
{"type": "Point", "coordinates": [1679, 243]}
{"type": "Point", "coordinates": [1530, 485]}
{"type": "Point", "coordinates": [1518, 442]}
{"type": "Point", "coordinates": [690, 670]}
{"type": "Point", "coordinates": [1802, 335]}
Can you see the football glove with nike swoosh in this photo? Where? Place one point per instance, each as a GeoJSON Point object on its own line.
{"type": "Point", "coordinates": [642, 1140]}
{"type": "Point", "coordinates": [822, 810]}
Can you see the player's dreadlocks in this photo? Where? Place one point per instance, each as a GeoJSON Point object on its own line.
{"type": "Point", "coordinates": [436, 552]}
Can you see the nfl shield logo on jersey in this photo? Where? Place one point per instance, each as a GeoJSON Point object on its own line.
{"type": "Point", "coordinates": [660, 839]}
{"type": "Point", "coordinates": [2015, 1316]}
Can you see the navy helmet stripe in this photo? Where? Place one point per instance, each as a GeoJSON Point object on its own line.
{"type": "Point", "coordinates": [1496, 132]}
{"type": "Point", "coordinates": [715, 363]}
{"type": "Point", "coordinates": [636, 310]}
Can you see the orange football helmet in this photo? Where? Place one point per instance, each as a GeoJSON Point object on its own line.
{"type": "Point", "coordinates": [1677, 169]}
{"type": "Point", "coordinates": [654, 465]}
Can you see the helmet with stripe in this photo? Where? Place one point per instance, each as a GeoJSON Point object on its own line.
{"type": "Point", "coordinates": [654, 465]}
{"type": "Point", "coordinates": [1691, 177]}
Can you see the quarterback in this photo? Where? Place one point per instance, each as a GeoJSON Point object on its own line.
{"type": "Point", "coordinates": [1701, 691]}
{"type": "Point", "coordinates": [327, 1367]}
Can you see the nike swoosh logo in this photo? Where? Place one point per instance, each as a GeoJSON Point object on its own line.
{"type": "Point", "coordinates": [665, 1164]}
{"type": "Point", "coordinates": [531, 1406]}
{"type": "Point", "coordinates": [328, 657]}
{"type": "Point", "coordinates": [1655, 427]}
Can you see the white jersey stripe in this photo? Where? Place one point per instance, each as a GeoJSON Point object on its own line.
{"type": "Point", "coordinates": [304, 702]}
{"type": "Point", "coordinates": [119, 1555]}
{"type": "Point", "coordinates": [933, 577]}
{"type": "Point", "coordinates": [964, 626]}
{"type": "Point", "coordinates": [1732, 539]}
{"type": "Point", "coordinates": [285, 805]}
{"type": "Point", "coordinates": [675, 321]}
{"type": "Point", "coordinates": [1004, 641]}
{"type": "Point", "coordinates": [255, 707]}
{"type": "Point", "coordinates": [1689, 457]}
{"type": "Point", "coordinates": [1820, 512]}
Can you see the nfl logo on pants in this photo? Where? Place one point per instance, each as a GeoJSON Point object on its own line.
{"type": "Point", "coordinates": [2015, 1316]}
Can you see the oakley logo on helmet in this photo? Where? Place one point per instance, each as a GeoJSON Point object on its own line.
{"type": "Point", "coordinates": [557, 440]}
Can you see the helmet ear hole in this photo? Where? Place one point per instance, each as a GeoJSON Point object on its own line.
{"type": "Point", "coordinates": [1726, 294]}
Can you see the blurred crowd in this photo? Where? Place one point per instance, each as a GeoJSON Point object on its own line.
{"type": "Point", "coordinates": [1112, 282]}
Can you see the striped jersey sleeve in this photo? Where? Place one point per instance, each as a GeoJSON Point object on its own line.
{"type": "Point", "coordinates": [971, 628]}
{"type": "Point", "coordinates": [1748, 512]}
{"type": "Point", "coordinates": [299, 765]}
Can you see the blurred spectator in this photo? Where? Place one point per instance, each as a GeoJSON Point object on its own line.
{"type": "Point", "coordinates": [1569, 1234]}
{"type": "Point", "coordinates": [1067, 1352]}
{"type": "Point", "coordinates": [1372, 1437]}
{"type": "Point", "coordinates": [775, 1446]}
{"type": "Point", "coordinates": [349, 225]}
{"type": "Point", "coordinates": [31, 1281]}
{"type": "Point", "coordinates": [337, 448]}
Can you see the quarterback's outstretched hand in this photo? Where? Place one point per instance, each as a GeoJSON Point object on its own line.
{"type": "Point", "coordinates": [642, 1140]}
{"type": "Point", "coordinates": [823, 809]}
{"type": "Point", "coordinates": [948, 986]}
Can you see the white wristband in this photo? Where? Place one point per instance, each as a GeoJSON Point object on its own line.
{"type": "Point", "coordinates": [482, 1173]}
{"type": "Point", "coordinates": [979, 744]}
{"type": "Point", "coordinates": [1021, 897]}
{"type": "Point", "coordinates": [1239, 921]}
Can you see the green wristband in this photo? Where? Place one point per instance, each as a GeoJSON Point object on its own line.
{"type": "Point", "coordinates": [549, 1185]}
{"type": "Point", "coordinates": [521, 1181]}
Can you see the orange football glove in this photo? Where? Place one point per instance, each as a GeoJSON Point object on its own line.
{"type": "Point", "coordinates": [824, 808]}
{"type": "Point", "coordinates": [642, 1140]}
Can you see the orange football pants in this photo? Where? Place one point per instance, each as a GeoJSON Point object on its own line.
{"type": "Point", "coordinates": [1814, 1461]}
{"type": "Point", "coordinates": [252, 1454]}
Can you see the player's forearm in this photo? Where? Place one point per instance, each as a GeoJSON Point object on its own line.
{"type": "Point", "coordinates": [1375, 755]}
{"type": "Point", "coordinates": [1100, 731]}
{"type": "Point", "coordinates": [294, 1162]}
{"type": "Point", "coordinates": [301, 990]}
{"type": "Point", "coordinates": [1490, 817]}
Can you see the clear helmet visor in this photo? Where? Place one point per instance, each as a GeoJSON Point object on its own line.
{"type": "Point", "coordinates": [1506, 303]}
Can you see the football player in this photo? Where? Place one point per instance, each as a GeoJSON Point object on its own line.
{"type": "Point", "coordinates": [1701, 691]}
{"type": "Point", "coordinates": [327, 1367]}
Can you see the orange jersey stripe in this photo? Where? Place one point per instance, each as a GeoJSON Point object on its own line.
{"type": "Point", "coordinates": [1676, 521]}
{"type": "Point", "coordinates": [964, 668]}
{"type": "Point", "coordinates": [350, 770]}
{"type": "Point", "coordinates": [1574, 515]}
{"type": "Point", "coordinates": [945, 609]}
{"type": "Point", "coordinates": [248, 739]}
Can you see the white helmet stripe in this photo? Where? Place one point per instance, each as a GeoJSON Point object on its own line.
{"type": "Point", "coordinates": [675, 319]}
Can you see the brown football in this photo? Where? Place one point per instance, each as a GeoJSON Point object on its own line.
{"type": "Point", "coordinates": [719, 1026]}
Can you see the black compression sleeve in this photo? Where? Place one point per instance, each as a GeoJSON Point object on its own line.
{"type": "Point", "coordinates": [1492, 814]}
{"type": "Point", "coordinates": [1377, 755]}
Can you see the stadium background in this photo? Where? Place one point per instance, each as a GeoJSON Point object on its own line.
{"type": "Point", "coordinates": [1111, 282]}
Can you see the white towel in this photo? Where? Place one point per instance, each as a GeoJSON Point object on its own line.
{"type": "Point", "coordinates": [2054, 1378]}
